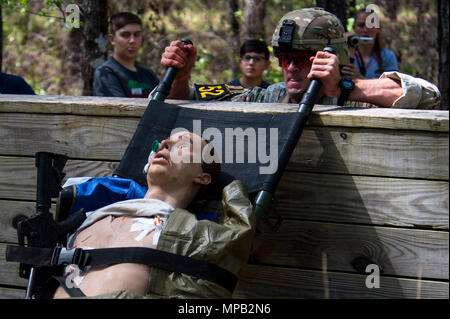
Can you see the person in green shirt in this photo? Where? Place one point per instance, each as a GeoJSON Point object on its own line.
{"type": "Point", "coordinates": [120, 75]}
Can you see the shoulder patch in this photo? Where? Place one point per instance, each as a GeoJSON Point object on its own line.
{"type": "Point", "coordinates": [208, 92]}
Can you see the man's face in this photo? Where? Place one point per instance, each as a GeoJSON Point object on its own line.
{"type": "Point", "coordinates": [296, 65]}
{"type": "Point", "coordinates": [127, 41]}
{"type": "Point", "coordinates": [178, 163]}
{"type": "Point", "coordinates": [253, 65]}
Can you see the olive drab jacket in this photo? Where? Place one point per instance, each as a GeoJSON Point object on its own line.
{"type": "Point", "coordinates": [225, 242]}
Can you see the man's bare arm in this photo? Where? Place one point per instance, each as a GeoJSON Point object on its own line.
{"type": "Point", "coordinates": [381, 92]}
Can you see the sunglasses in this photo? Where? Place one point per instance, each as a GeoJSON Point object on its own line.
{"type": "Point", "coordinates": [298, 58]}
{"type": "Point", "coordinates": [256, 58]}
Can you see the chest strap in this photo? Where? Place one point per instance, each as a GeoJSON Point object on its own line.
{"type": "Point", "coordinates": [47, 257]}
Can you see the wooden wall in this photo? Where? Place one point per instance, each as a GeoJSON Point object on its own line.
{"type": "Point", "coordinates": [364, 186]}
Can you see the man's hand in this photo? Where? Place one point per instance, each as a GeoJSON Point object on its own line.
{"type": "Point", "coordinates": [182, 57]}
{"type": "Point", "coordinates": [381, 92]}
{"type": "Point", "coordinates": [325, 66]}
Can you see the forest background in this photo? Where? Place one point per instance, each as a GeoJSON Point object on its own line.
{"type": "Point", "coordinates": [57, 60]}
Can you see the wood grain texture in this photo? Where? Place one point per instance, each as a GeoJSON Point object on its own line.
{"type": "Point", "coordinates": [18, 175]}
{"type": "Point", "coordinates": [364, 200]}
{"type": "Point", "coordinates": [72, 135]}
{"type": "Point", "coordinates": [403, 119]}
{"type": "Point", "coordinates": [318, 197]}
{"type": "Point", "coordinates": [322, 149]}
{"type": "Point", "coordinates": [398, 252]}
{"type": "Point", "coordinates": [256, 281]}
{"type": "Point", "coordinates": [264, 282]}
{"type": "Point", "coordinates": [387, 153]}
{"type": "Point", "coordinates": [10, 293]}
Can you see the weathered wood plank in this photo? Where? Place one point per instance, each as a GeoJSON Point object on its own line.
{"type": "Point", "coordinates": [10, 293]}
{"type": "Point", "coordinates": [310, 196]}
{"type": "Point", "coordinates": [426, 120]}
{"type": "Point", "coordinates": [277, 282]}
{"type": "Point", "coordinates": [19, 175]}
{"type": "Point", "coordinates": [399, 252]}
{"type": "Point", "coordinates": [9, 211]}
{"type": "Point", "coordinates": [323, 149]}
{"type": "Point", "coordinates": [9, 272]}
{"type": "Point", "coordinates": [372, 152]}
{"type": "Point", "coordinates": [72, 135]}
{"type": "Point", "coordinates": [364, 200]}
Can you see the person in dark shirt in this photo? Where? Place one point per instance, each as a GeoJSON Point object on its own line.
{"type": "Point", "coordinates": [13, 84]}
{"type": "Point", "coordinates": [254, 60]}
{"type": "Point", "coordinates": [120, 75]}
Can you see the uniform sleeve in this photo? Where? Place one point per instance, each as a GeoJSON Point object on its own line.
{"type": "Point", "coordinates": [417, 93]}
{"type": "Point", "coordinates": [106, 83]}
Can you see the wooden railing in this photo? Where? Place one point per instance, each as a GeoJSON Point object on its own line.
{"type": "Point", "coordinates": [363, 187]}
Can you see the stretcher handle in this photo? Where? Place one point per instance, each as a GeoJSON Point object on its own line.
{"type": "Point", "coordinates": [264, 199]}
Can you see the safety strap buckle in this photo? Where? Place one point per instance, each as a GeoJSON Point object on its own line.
{"type": "Point", "coordinates": [64, 256]}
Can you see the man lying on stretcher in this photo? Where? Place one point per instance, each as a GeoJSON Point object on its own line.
{"type": "Point", "coordinates": [160, 221]}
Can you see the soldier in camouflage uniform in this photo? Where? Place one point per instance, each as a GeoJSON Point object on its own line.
{"type": "Point", "coordinates": [302, 59]}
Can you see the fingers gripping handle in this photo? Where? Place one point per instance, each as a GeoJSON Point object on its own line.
{"type": "Point", "coordinates": [310, 96]}
{"type": "Point", "coordinates": [163, 89]}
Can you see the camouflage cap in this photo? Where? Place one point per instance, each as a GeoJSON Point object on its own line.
{"type": "Point", "coordinates": [310, 29]}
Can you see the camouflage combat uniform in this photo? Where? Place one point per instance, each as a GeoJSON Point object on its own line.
{"type": "Point", "coordinates": [417, 93]}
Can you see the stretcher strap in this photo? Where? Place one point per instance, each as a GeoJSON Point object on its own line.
{"type": "Point", "coordinates": [45, 257]}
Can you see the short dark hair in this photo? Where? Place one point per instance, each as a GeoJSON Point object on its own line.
{"type": "Point", "coordinates": [119, 20]}
{"type": "Point", "coordinates": [254, 45]}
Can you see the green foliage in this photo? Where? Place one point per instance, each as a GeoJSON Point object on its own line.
{"type": "Point", "coordinates": [36, 45]}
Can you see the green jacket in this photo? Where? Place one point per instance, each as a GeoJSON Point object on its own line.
{"type": "Point", "coordinates": [225, 242]}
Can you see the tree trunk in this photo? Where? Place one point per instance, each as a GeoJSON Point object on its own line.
{"type": "Point", "coordinates": [71, 42]}
{"type": "Point", "coordinates": [255, 11]}
{"type": "Point", "coordinates": [95, 32]}
{"type": "Point", "coordinates": [233, 35]}
{"type": "Point", "coordinates": [337, 7]}
{"type": "Point", "coordinates": [443, 52]}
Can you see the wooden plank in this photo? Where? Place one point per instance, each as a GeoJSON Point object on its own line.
{"type": "Point", "coordinates": [397, 251]}
{"type": "Point", "coordinates": [318, 197]}
{"type": "Point", "coordinates": [364, 200]}
{"type": "Point", "coordinates": [9, 272]}
{"type": "Point", "coordinates": [9, 212]}
{"type": "Point", "coordinates": [373, 152]}
{"type": "Point", "coordinates": [71, 135]}
{"type": "Point", "coordinates": [258, 281]}
{"type": "Point", "coordinates": [426, 120]}
{"type": "Point", "coordinates": [390, 153]}
{"type": "Point", "coordinates": [19, 175]}
{"type": "Point", "coordinates": [10, 293]}
{"type": "Point", "coordinates": [278, 282]}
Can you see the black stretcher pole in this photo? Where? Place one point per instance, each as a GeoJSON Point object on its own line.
{"type": "Point", "coordinates": [264, 197]}
{"type": "Point", "coordinates": [163, 89]}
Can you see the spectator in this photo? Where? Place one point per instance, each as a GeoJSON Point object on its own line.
{"type": "Point", "coordinates": [121, 76]}
{"type": "Point", "coordinates": [13, 84]}
{"type": "Point", "coordinates": [254, 60]}
{"type": "Point", "coordinates": [370, 59]}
